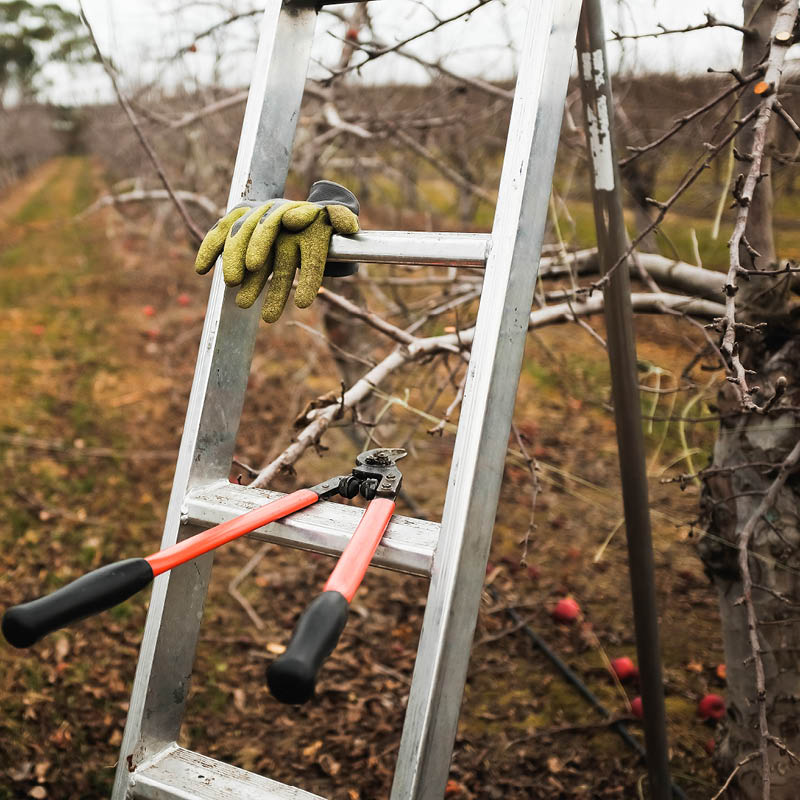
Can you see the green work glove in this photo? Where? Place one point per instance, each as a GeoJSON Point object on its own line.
{"type": "Point", "coordinates": [296, 236]}
{"type": "Point", "coordinates": [230, 236]}
{"type": "Point", "coordinates": [251, 234]}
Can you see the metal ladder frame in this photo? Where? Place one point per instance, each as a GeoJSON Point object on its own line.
{"type": "Point", "coordinates": [151, 765]}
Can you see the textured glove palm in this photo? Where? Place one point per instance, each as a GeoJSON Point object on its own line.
{"type": "Point", "coordinates": [279, 238]}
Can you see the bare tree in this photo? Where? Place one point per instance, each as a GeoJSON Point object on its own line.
{"type": "Point", "coordinates": [750, 501]}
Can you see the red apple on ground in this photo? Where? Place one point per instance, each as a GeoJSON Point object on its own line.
{"type": "Point", "coordinates": [184, 299]}
{"type": "Point", "coordinates": [710, 746]}
{"type": "Point", "coordinates": [624, 668]}
{"type": "Point", "coordinates": [148, 311]}
{"type": "Point", "coordinates": [712, 706]}
{"type": "Point", "coordinates": [566, 610]}
{"type": "Point", "coordinates": [636, 707]}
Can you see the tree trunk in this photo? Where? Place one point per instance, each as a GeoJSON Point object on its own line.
{"type": "Point", "coordinates": [740, 475]}
{"type": "Point", "coordinates": [730, 499]}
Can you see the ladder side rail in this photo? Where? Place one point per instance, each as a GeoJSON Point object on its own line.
{"type": "Point", "coordinates": [493, 374]}
{"type": "Point", "coordinates": [217, 396]}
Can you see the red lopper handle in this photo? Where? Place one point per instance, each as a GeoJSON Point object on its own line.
{"type": "Point", "coordinates": [201, 543]}
{"type": "Point", "coordinates": [352, 565]}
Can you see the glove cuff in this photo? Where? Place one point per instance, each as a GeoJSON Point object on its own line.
{"type": "Point", "coordinates": [328, 193]}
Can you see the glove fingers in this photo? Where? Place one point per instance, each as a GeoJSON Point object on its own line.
{"type": "Point", "coordinates": [214, 241]}
{"type": "Point", "coordinates": [344, 221]}
{"type": "Point", "coordinates": [313, 243]}
{"type": "Point", "coordinates": [299, 218]}
{"type": "Point", "coordinates": [253, 283]}
{"type": "Point", "coordinates": [233, 254]}
{"type": "Point", "coordinates": [287, 260]}
{"type": "Point", "coordinates": [263, 237]}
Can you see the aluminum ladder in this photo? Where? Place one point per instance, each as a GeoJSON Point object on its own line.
{"type": "Point", "coordinates": [454, 553]}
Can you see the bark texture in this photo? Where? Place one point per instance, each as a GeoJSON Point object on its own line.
{"type": "Point", "coordinates": [730, 500]}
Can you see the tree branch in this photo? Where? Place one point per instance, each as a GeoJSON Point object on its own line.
{"type": "Point", "coordinates": [191, 226]}
{"type": "Point", "coordinates": [784, 21]}
{"type": "Point", "coordinates": [318, 420]}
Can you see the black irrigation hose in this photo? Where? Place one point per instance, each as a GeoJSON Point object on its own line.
{"type": "Point", "coordinates": [618, 726]}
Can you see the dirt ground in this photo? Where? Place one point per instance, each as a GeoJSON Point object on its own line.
{"type": "Point", "coordinates": [99, 325]}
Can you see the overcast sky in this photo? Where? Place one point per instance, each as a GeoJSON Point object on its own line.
{"type": "Point", "coordinates": [143, 35]}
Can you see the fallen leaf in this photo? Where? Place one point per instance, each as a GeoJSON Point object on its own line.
{"type": "Point", "coordinates": [312, 749]}
{"type": "Point", "coordinates": [61, 648]}
{"type": "Point", "coordinates": [276, 647]}
{"type": "Point", "coordinates": [694, 666]}
{"type": "Point", "coordinates": [38, 793]}
{"type": "Point", "coordinates": [61, 736]}
{"type": "Point", "coordinates": [21, 773]}
{"type": "Point", "coordinates": [722, 672]}
{"type": "Point", "coordinates": [329, 765]}
{"type": "Point", "coordinates": [554, 765]}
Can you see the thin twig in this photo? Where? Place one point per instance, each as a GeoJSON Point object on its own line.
{"type": "Point", "coordinates": [191, 226]}
{"type": "Point", "coordinates": [746, 760]}
{"type": "Point", "coordinates": [685, 119]}
{"type": "Point", "coordinates": [711, 22]}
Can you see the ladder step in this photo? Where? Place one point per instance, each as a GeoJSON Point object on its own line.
{"type": "Point", "coordinates": [413, 247]}
{"type": "Point", "coordinates": [326, 527]}
{"type": "Point", "coordinates": [181, 774]}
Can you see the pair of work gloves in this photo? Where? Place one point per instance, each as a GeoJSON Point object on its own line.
{"type": "Point", "coordinates": [279, 238]}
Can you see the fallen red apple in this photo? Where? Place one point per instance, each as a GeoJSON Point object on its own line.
{"type": "Point", "coordinates": [624, 668]}
{"type": "Point", "coordinates": [636, 707]}
{"type": "Point", "coordinates": [184, 299]}
{"type": "Point", "coordinates": [710, 746]}
{"type": "Point", "coordinates": [148, 311]}
{"type": "Point", "coordinates": [566, 610]}
{"type": "Point", "coordinates": [712, 706]}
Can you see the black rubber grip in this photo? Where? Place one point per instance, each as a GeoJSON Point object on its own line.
{"type": "Point", "coordinates": [90, 594]}
{"type": "Point", "coordinates": [292, 676]}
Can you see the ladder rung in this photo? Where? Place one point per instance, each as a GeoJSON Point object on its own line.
{"type": "Point", "coordinates": [413, 247]}
{"type": "Point", "coordinates": [326, 527]}
{"type": "Point", "coordinates": [184, 775]}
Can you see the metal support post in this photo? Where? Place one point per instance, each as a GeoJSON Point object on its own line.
{"type": "Point", "coordinates": [612, 243]}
